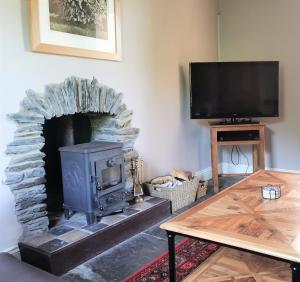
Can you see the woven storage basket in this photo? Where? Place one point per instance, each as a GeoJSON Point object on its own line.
{"type": "Point", "coordinates": [180, 196]}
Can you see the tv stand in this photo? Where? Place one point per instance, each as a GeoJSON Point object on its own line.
{"type": "Point", "coordinates": [237, 134]}
{"type": "Point", "coordinates": [233, 121]}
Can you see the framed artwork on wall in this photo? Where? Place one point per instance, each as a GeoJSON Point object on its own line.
{"type": "Point", "coordinates": [83, 28]}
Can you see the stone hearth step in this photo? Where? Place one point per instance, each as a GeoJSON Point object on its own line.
{"type": "Point", "coordinates": [72, 241]}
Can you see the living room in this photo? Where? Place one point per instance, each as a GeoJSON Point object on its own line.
{"type": "Point", "coordinates": [159, 40]}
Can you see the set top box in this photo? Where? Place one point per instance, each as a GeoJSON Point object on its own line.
{"type": "Point", "coordinates": [93, 179]}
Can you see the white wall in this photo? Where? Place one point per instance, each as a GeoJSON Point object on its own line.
{"type": "Point", "coordinates": [159, 39]}
{"type": "Point", "coordinates": [269, 30]}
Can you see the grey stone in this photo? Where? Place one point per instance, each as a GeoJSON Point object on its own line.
{"type": "Point", "coordinates": [17, 177]}
{"type": "Point", "coordinates": [94, 96]}
{"type": "Point", "coordinates": [35, 226]}
{"type": "Point", "coordinates": [32, 213]}
{"type": "Point", "coordinates": [30, 134]}
{"type": "Point", "coordinates": [11, 150]}
{"type": "Point", "coordinates": [17, 167]}
{"type": "Point", "coordinates": [70, 90]}
{"type": "Point", "coordinates": [125, 114]}
{"type": "Point", "coordinates": [122, 131]}
{"type": "Point", "coordinates": [19, 141]}
{"type": "Point", "coordinates": [120, 109]}
{"type": "Point", "coordinates": [102, 99]}
{"type": "Point", "coordinates": [89, 94]}
{"type": "Point", "coordinates": [37, 103]}
{"type": "Point", "coordinates": [28, 127]}
{"type": "Point", "coordinates": [65, 100]}
{"type": "Point", "coordinates": [26, 198]}
{"type": "Point", "coordinates": [52, 99]}
{"type": "Point", "coordinates": [27, 116]}
{"type": "Point", "coordinates": [110, 98]}
{"type": "Point", "coordinates": [37, 172]}
{"type": "Point", "coordinates": [30, 156]}
{"type": "Point", "coordinates": [123, 121]}
{"type": "Point", "coordinates": [29, 182]}
{"type": "Point", "coordinates": [13, 178]}
{"type": "Point", "coordinates": [116, 104]}
{"type": "Point", "coordinates": [81, 100]}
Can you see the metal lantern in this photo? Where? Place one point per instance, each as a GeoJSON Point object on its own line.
{"type": "Point", "coordinates": [270, 192]}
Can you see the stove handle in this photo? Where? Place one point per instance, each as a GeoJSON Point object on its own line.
{"type": "Point", "coordinates": [98, 182]}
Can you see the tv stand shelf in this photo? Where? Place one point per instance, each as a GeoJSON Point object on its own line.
{"type": "Point", "coordinates": [238, 131]}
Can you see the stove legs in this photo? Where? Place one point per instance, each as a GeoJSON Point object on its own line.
{"type": "Point", "coordinates": [67, 213]}
{"type": "Point", "coordinates": [172, 266]}
{"type": "Point", "coordinates": [295, 272]}
{"type": "Point", "coordinates": [90, 218]}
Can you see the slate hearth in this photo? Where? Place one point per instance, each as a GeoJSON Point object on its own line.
{"type": "Point", "coordinates": [72, 242]}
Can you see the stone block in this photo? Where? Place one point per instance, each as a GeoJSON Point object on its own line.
{"type": "Point", "coordinates": [11, 150]}
{"type": "Point", "coordinates": [17, 177]}
{"type": "Point", "coordinates": [35, 226]}
{"type": "Point", "coordinates": [102, 99]}
{"type": "Point", "coordinates": [70, 90]}
{"type": "Point", "coordinates": [32, 213]}
{"type": "Point", "coordinates": [28, 134]}
{"type": "Point", "coordinates": [29, 182]}
{"type": "Point", "coordinates": [27, 116]}
{"type": "Point", "coordinates": [28, 127]}
{"type": "Point", "coordinates": [110, 98]}
{"type": "Point", "coordinates": [19, 167]}
{"type": "Point", "coordinates": [19, 141]}
{"type": "Point", "coordinates": [26, 198]}
{"type": "Point", "coordinates": [94, 96]}
{"type": "Point", "coordinates": [36, 103]}
{"type": "Point", "coordinates": [116, 103]}
{"type": "Point", "coordinates": [30, 156]}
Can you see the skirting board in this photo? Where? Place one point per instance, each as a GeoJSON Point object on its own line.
{"type": "Point", "coordinates": [205, 174]}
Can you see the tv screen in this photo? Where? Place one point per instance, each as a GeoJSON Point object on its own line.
{"type": "Point", "coordinates": [234, 89]}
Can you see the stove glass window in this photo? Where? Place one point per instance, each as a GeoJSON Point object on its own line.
{"type": "Point", "coordinates": [111, 176]}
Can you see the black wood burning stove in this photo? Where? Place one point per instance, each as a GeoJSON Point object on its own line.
{"type": "Point", "coordinates": [93, 179]}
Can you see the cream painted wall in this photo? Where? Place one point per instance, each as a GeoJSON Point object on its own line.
{"type": "Point", "coordinates": [159, 40]}
{"type": "Point", "coordinates": [269, 30]}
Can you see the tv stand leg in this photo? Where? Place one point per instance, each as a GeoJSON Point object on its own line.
{"type": "Point", "coordinates": [214, 159]}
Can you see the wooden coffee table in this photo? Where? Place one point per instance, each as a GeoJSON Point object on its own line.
{"type": "Point", "coordinates": [239, 218]}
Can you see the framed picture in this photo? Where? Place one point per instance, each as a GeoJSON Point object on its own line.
{"type": "Point", "coordinates": [83, 28]}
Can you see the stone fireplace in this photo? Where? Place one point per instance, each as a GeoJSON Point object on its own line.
{"type": "Point", "coordinates": [72, 112]}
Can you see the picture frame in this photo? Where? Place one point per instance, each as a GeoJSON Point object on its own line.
{"type": "Point", "coordinates": [77, 30]}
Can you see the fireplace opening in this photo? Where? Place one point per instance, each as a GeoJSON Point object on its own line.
{"type": "Point", "coordinates": [58, 132]}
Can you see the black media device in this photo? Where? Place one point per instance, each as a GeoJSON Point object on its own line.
{"type": "Point", "coordinates": [238, 135]}
{"type": "Point", "coordinates": [234, 90]}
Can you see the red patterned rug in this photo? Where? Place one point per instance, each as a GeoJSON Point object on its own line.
{"type": "Point", "coordinates": [190, 254]}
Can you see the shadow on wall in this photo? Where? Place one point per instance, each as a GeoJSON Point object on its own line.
{"type": "Point", "coordinates": [196, 128]}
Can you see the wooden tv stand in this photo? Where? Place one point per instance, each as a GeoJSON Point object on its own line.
{"type": "Point", "coordinates": [258, 146]}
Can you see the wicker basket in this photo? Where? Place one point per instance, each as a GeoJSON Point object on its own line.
{"type": "Point", "coordinates": [180, 196]}
{"type": "Point", "coordinates": [202, 188]}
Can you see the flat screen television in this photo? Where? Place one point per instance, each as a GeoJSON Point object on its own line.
{"type": "Point", "coordinates": [234, 89]}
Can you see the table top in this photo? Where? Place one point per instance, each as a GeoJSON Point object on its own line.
{"type": "Point", "coordinates": [239, 217]}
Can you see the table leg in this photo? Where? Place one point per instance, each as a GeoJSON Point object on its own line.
{"type": "Point", "coordinates": [295, 272]}
{"type": "Point", "coordinates": [172, 266]}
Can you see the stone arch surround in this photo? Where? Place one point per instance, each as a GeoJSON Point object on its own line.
{"type": "Point", "coordinates": [25, 173]}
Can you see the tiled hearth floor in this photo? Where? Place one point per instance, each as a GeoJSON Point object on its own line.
{"type": "Point", "coordinates": [125, 258]}
{"type": "Point", "coordinates": [69, 231]}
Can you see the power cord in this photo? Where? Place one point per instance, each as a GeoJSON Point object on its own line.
{"type": "Point", "coordinates": [239, 151]}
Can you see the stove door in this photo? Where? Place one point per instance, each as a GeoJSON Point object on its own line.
{"type": "Point", "coordinates": [109, 174]}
